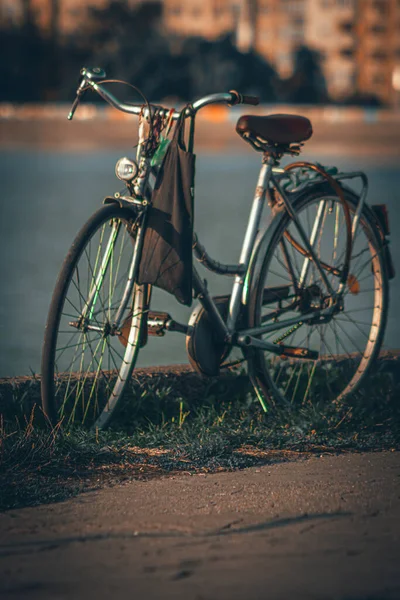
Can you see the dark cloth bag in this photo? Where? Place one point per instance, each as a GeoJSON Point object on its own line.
{"type": "Point", "coordinates": [166, 260]}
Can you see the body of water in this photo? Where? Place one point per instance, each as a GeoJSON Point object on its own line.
{"type": "Point", "coordinates": [46, 197]}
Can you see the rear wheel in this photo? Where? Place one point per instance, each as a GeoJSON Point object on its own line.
{"type": "Point", "coordinates": [348, 341]}
{"type": "Point", "coordinates": [86, 361]}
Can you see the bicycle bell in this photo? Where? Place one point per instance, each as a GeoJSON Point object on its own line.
{"type": "Point", "coordinates": [126, 169]}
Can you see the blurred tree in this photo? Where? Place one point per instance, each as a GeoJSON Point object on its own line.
{"type": "Point", "coordinates": [23, 54]}
{"type": "Point", "coordinates": [208, 67]}
{"type": "Point", "coordinates": [129, 44]}
{"type": "Point", "coordinates": [362, 99]}
{"type": "Point", "coordinates": [259, 77]}
{"type": "Point", "coordinates": [307, 84]}
{"type": "Point", "coordinates": [54, 63]}
{"type": "Point", "coordinates": [26, 11]}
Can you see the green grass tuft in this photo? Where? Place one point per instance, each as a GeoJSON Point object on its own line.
{"type": "Point", "coordinates": [164, 427]}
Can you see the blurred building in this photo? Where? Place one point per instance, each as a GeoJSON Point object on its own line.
{"type": "Point", "coordinates": [271, 27]}
{"type": "Point", "coordinates": [11, 12]}
{"type": "Point", "coordinates": [330, 29]}
{"type": "Point", "coordinates": [279, 31]}
{"type": "Point", "coordinates": [359, 40]}
{"type": "Point", "coordinates": [377, 46]}
{"type": "Point", "coordinates": [67, 16]}
{"type": "Point", "coordinates": [204, 18]}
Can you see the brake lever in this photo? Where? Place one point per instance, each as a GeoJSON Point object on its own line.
{"type": "Point", "coordinates": [79, 93]}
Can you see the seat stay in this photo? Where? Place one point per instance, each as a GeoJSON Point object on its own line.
{"type": "Point", "coordinates": [307, 245]}
{"type": "Point", "coordinates": [316, 231]}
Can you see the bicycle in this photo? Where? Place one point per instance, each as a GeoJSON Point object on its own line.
{"type": "Point", "coordinates": [309, 300]}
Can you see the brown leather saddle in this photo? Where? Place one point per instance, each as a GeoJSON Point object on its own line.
{"type": "Point", "coordinates": [279, 131]}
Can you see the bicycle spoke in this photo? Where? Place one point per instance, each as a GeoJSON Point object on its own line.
{"type": "Point", "coordinates": [70, 346]}
{"type": "Point", "coordinates": [367, 323]}
{"type": "Point", "coordinates": [350, 320]}
{"type": "Point", "coordinates": [80, 381]}
{"type": "Point", "coordinates": [349, 338]}
{"type": "Point", "coordinates": [297, 383]}
{"type": "Point", "coordinates": [94, 384]}
{"type": "Point", "coordinates": [332, 324]}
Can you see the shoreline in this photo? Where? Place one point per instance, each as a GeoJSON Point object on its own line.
{"type": "Point", "coordinates": [378, 139]}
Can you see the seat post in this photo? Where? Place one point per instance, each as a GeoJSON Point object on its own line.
{"type": "Point", "coordinates": [253, 225]}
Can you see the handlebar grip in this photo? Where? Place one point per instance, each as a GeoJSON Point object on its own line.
{"type": "Point", "coordinates": [73, 108]}
{"type": "Point", "coordinates": [79, 93]}
{"type": "Point", "coordinates": [241, 99]}
{"type": "Point", "coordinates": [254, 100]}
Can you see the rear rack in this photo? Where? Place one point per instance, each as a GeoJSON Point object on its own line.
{"type": "Point", "coordinates": [302, 178]}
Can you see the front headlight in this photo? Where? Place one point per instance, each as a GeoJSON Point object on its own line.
{"type": "Point", "coordinates": [126, 169]}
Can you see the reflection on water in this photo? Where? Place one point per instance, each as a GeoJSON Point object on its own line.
{"type": "Point", "coordinates": [46, 197]}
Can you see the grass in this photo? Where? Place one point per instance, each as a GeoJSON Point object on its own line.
{"type": "Point", "coordinates": [165, 426]}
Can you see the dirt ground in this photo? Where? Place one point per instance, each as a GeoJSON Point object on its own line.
{"type": "Point", "coordinates": [326, 527]}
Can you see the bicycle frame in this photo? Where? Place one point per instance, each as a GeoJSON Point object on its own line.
{"type": "Point", "coordinates": [293, 296]}
{"type": "Point", "coordinates": [228, 331]}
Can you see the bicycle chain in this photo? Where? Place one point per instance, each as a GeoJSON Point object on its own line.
{"type": "Point", "coordinates": [287, 333]}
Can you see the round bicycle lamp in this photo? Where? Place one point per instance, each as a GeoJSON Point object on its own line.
{"type": "Point", "coordinates": [126, 169]}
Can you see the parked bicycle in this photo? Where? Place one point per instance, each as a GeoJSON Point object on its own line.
{"type": "Point", "coordinates": [310, 293]}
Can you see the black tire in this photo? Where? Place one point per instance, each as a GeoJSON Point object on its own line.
{"type": "Point", "coordinates": [347, 345]}
{"type": "Point", "coordinates": [85, 367]}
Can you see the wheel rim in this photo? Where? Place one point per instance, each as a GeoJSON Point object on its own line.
{"type": "Point", "coordinates": [347, 342]}
{"type": "Point", "coordinates": [91, 366]}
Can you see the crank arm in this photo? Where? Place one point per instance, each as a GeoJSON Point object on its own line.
{"type": "Point", "coordinates": [156, 324]}
{"type": "Point", "coordinates": [159, 322]}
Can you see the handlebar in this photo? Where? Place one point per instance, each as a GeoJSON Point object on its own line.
{"type": "Point", "coordinates": [92, 78]}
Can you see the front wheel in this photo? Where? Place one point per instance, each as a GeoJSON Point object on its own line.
{"type": "Point", "coordinates": [87, 360]}
{"type": "Point", "coordinates": [347, 341]}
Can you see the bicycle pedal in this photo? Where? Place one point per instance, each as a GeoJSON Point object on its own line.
{"type": "Point", "coordinates": [295, 352]}
{"type": "Point", "coordinates": [157, 322]}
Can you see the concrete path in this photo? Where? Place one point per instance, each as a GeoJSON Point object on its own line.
{"type": "Point", "coordinates": [323, 528]}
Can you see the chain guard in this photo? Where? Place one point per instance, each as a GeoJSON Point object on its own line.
{"type": "Point", "coordinates": [206, 353]}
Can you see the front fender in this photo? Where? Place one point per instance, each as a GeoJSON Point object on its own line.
{"type": "Point", "coordinates": [122, 202]}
